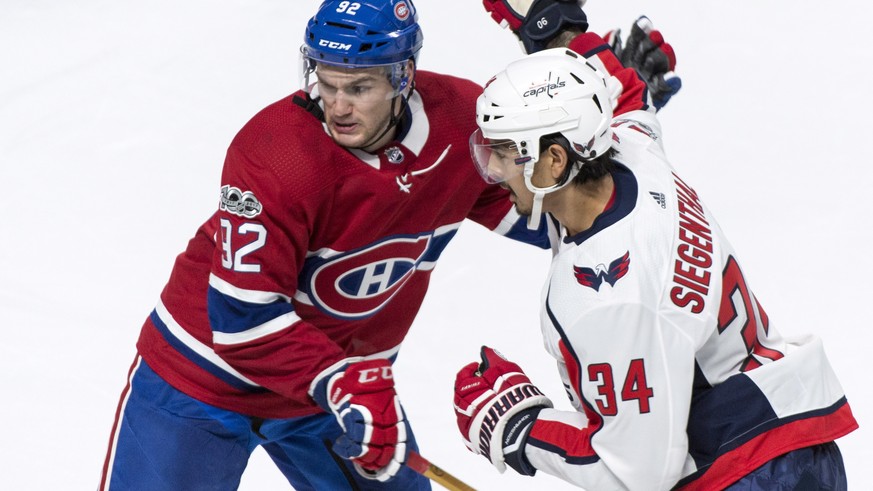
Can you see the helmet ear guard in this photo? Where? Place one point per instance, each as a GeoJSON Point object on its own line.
{"type": "Point", "coordinates": [402, 75]}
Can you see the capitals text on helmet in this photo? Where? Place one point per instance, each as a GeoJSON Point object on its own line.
{"type": "Point", "coordinates": [544, 88]}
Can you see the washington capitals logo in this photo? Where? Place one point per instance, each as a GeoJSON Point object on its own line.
{"type": "Point", "coordinates": [636, 126]}
{"type": "Point", "coordinates": [595, 277]}
{"type": "Point", "coordinates": [546, 87]}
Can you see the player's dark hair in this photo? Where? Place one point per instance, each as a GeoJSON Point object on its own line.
{"type": "Point", "coordinates": [589, 170]}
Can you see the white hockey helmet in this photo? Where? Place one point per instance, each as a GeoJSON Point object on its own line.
{"type": "Point", "coordinates": [551, 91]}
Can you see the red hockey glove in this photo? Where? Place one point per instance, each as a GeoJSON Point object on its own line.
{"type": "Point", "coordinates": [362, 397]}
{"type": "Point", "coordinates": [536, 22]}
{"type": "Point", "coordinates": [647, 53]}
{"type": "Point", "coordinates": [496, 405]}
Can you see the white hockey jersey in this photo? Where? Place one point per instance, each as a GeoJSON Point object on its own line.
{"type": "Point", "coordinates": [678, 376]}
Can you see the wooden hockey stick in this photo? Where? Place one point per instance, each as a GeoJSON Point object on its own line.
{"type": "Point", "coordinates": [422, 466]}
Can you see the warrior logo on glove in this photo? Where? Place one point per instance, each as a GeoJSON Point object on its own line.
{"type": "Point", "coordinates": [487, 396]}
{"type": "Point", "coordinates": [500, 408]}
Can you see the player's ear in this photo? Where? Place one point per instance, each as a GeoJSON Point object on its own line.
{"type": "Point", "coordinates": [559, 160]}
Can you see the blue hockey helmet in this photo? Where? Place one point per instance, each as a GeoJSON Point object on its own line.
{"type": "Point", "coordinates": [363, 33]}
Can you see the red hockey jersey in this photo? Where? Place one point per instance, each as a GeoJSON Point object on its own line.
{"type": "Point", "coordinates": [317, 253]}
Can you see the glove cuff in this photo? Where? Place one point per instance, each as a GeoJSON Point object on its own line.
{"type": "Point", "coordinates": [385, 473]}
{"type": "Point", "coordinates": [515, 440]}
{"type": "Point", "coordinates": [546, 19]}
{"type": "Point", "coordinates": [319, 388]}
{"type": "Point", "coordinates": [487, 428]}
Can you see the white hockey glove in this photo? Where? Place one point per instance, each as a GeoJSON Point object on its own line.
{"type": "Point", "coordinates": [647, 53]}
{"type": "Point", "coordinates": [362, 397]}
{"type": "Point", "coordinates": [496, 406]}
{"type": "Point", "coordinates": [536, 22]}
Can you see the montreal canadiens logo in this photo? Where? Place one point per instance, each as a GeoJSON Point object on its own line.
{"type": "Point", "coordinates": [401, 11]}
{"type": "Point", "coordinates": [359, 284]}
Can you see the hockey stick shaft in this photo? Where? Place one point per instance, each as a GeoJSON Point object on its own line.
{"type": "Point", "coordinates": [422, 466]}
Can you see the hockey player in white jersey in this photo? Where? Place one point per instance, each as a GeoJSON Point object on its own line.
{"type": "Point", "coordinates": [677, 376]}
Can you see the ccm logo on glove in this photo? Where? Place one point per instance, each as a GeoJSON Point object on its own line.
{"type": "Point", "coordinates": [361, 395]}
{"type": "Point", "coordinates": [373, 374]}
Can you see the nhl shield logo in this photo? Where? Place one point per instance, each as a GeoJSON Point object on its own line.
{"type": "Point", "coordinates": [394, 155]}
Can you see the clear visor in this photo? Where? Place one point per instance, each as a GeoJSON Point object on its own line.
{"type": "Point", "coordinates": [496, 160]}
{"type": "Point", "coordinates": [353, 84]}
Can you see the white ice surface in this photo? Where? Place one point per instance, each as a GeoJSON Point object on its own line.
{"type": "Point", "coordinates": [114, 120]}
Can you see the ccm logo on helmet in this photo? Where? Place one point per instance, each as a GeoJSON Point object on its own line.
{"type": "Point", "coordinates": [547, 87]}
{"type": "Point", "coordinates": [334, 45]}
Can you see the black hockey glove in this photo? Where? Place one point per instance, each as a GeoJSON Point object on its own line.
{"type": "Point", "coordinates": [647, 53]}
{"type": "Point", "coordinates": [537, 22]}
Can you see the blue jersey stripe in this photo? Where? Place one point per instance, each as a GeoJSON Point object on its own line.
{"type": "Point", "coordinates": [199, 360]}
{"type": "Point", "coordinates": [231, 315]}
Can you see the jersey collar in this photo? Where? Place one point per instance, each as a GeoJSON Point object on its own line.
{"type": "Point", "coordinates": [623, 203]}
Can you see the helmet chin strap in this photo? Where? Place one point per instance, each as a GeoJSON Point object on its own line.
{"type": "Point", "coordinates": [533, 221]}
{"type": "Point", "coordinates": [396, 116]}
{"type": "Point", "coordinates": [392, 122]}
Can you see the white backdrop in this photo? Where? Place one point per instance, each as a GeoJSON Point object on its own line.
{"type": "Point", "coordinates": [115, 116]}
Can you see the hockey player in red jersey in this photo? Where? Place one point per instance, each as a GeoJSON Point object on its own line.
{"type": "Point", "coordinates": [281, 319]}
{"type": "Point", "coordinates": [678, 376]}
